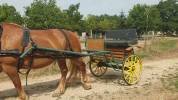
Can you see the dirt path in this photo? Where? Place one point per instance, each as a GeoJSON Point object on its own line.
{"type": "Point", "coordinates": [108, 87]}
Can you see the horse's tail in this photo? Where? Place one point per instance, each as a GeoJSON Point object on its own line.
{"type": "Point", "coordinates": [76, 47]}
{"type": "Point", "coordinates": [1, 29]}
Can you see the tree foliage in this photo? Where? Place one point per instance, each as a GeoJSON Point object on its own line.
{"type": "Point", "coordinates": [9, 14]}
{"type": "Point", "coordinates": [45, 14]}
{"type": "Point", "coordinates": [144, 18]}
{"type": "Point", "coordinates": [105, 22]}
{"type": "Point", "coordinates": [73, 18]}
{"type": "Point", "coordinates": [169, 15]}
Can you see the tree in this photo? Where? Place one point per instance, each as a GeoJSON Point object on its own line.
{"type": "Point", "coordinates": [43, 14]}
{"type": "Point", "coordinates": [144, 18]}
{"type": "Point", "coordinates": [169, 15]}
{"type": "Point", "coordinates": [92, 22]}
{"type": "Point", "coordinates": [122, 21]}
{"type": "Point", "coordinates": [9, 14]}
{"type": "Point", "coordinates": [73, 18]}
{"type": "Point", "coordinates": [105, 22]}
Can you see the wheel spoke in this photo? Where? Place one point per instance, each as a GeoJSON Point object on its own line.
{"type": "Point", "coordinates": [136, 75]}
{"type": "Point", "coordinates": [97, 70]}
{"type": "Point", "coordinates": [132, 69]}
{"type": "Point", "coordinates": [102, 69]}
{"type": "Point", "coordinates": [126, 76]}
{"type": "Point", "coordinates": [94, 65]}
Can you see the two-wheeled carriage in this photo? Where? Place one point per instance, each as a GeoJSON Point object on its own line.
{"type": "Point", "coordinates": [120, 44]}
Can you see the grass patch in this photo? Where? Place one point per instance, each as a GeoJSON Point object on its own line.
{"type": "Point", "coordinates": [157, 47]}
{"type": "Point", "coordinates": [163, 45]}
{"type": "Point", "coordinates": [171, 82]}
{"type": "Point", "coordinates": [176, 84]}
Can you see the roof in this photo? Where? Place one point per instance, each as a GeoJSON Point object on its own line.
{"type": "Point", "coordinates": [123, 34]}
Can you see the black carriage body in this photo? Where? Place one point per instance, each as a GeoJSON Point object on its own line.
{"type": "Point", "coordinates": [120, 38]}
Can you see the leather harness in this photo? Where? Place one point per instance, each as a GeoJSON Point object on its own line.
{"type": "Point", "coordinates": [28, 40]}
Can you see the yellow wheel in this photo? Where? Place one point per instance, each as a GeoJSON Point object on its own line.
{"type": "Point", "coordinates": [132, 69]}
{"type": "Point", "coordinates": [97, 68]}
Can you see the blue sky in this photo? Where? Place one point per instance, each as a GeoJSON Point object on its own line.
{"type": "Point", "coordinates": [95, 7]}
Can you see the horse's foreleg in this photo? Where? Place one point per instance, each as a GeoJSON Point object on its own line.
{"type": "Point", "coordinates": [61, 86]}
{"type": "Point", "coordinates": [11, 71]}
{"type": "Point", "coordinates": [82, 68]}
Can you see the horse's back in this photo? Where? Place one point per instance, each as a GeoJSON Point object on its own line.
{"type": "Point", "coordinates": [50, 38]}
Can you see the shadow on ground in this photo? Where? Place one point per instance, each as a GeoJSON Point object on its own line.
{"type": "Point", "coordinates": [49, 86]}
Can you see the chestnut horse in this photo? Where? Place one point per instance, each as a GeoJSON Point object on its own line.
{"type": "Point", "coordinates": [11, 39]}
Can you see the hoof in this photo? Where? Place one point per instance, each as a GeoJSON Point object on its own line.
{"type": "Point", "coordinates": [86, 86]}
{"type": "Point", "coordinates": [23, 98]}
{"type": "Point", "coordinates": [57, 94]}
{"type": "Point", "coordinates": [69, 81]}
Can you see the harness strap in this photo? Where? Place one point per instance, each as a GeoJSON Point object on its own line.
{"type": "Point", "coordinates": [25, 42]}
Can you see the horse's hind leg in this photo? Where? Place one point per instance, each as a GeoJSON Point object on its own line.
{"type": "Point", "coordinates": [11, 71]}
{"type": "Point", "coordinates": [82, 68]}
{"type": "Point", "coordinates": [73, 72]}
{"type": "Point", "coordinates": [61, 86]}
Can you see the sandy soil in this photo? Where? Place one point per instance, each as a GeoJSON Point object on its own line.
{"type": "Point", "coordinates": [108, 87]}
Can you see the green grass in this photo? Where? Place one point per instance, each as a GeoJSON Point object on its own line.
{"type": "Point", "coordinates": [176, 84]}
{"type": "Point", "coordinates": [157, 47]}
{"type": "Point", "coordinates": [171, 82]}
{"type": "Point", "coordinates": [164, 45]}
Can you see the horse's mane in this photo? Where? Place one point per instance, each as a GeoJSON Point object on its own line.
{"type": "Point", "coordinates": [11, 24]}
